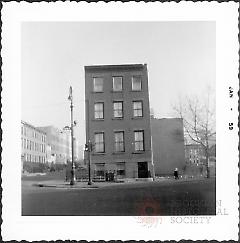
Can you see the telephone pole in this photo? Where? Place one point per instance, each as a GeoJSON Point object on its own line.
{"type": "Point", "coordinates": [70, 97]}
{"type": "Point", "coordinates": [88, 146]}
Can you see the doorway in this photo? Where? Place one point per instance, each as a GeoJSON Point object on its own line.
{"type": "Point", "coordinates": [142, 169]}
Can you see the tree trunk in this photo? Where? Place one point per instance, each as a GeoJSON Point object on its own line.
{"type": "Point", "coordinates": [207, 167]}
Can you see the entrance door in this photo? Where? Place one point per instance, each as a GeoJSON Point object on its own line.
{"type": "Point", "coordinates": [142, 169]}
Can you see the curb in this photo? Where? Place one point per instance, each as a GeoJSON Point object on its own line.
{"type": "Point", "coordinates": [65, 186]}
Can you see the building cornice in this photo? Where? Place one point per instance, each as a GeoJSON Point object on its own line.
{"type": "Point", "coordinates": [115, 67]}
{"type": "Point", "coordinates": [33, 127]}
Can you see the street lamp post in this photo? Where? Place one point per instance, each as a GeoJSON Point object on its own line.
{"type": "Point", "coordinates": [70, 97]}
{"type": "Point", "coordinates": [89, 162]}
{"type": "Point", "coordinates": [88, 146]}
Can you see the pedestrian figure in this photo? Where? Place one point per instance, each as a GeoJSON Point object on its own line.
{"type": "Point", "coordinates": [176, 174]}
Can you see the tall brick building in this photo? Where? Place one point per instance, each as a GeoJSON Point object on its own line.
{"type": "Point", "coordinates": [118, 120]}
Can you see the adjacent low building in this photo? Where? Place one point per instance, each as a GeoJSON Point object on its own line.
{"type": "Point", "coordinates": [168, 145]}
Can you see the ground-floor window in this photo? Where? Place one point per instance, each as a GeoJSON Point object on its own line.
{"type": "Point", "coordinates": [100, 170]}
{"type": "Point", "coordinates": [121, 169]}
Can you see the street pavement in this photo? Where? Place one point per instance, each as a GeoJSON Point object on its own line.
{"type": "Point", "coordinates": [163, 197]}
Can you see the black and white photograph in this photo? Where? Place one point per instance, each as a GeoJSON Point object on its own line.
{"type": "Point", "coordinates": [104, 112]}
{"type": "Point", "coordinates": [123, 118]}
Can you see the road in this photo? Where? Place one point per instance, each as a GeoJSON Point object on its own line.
{"type": "Point", "coordinates": [196, 197]}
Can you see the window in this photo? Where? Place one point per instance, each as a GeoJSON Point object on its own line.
{"type": "Point", "coordinates": [121, 169]}
{"type": "Point", "coordinates": [100, 170]}
{"type": "Point", "coordinates": [117, 83]}
{"type": "Point", "coordinates": [119, 141]}
{"type": "Point", "coordinates": [139, 140]}
{"type": "Point", "coordinates": [136, 83]}
{"type": "Point", "coordinates": [137, 109]}
{"type": "Point", "coordinates": [118, 109]}
{"type": "Point", "coordinates": [98, 110]}
{"type": "Point", "coordinates": [98, 84]}
{"type": "Point", "coordinates": [99, 142]}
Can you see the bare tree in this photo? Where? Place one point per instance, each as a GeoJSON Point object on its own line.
{"type": "Point", "coordinates": [199, 121]}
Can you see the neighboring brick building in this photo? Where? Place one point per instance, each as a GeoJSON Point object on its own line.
{"type": "Point", "coordinates": [33, 144]}
{"type": "Point", "coordinates": [167, 145]}
{"type": "Point", "coordinates": [118, 120]}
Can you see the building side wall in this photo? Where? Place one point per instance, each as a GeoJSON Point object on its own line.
{"type": "Point", "coordinates": [168, 145]}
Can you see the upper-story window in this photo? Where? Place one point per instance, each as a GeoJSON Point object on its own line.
{"type": "Point", "coordinates": [119, 141]}
{"type": "Point", "coordinates": [117, 84]}
{"type": "Point", "coordinates": [118, 109]}
{"type": "Point", "coordinates": [136, 83]}
{"type": "Point", "coordinates": [137, 109]}
{"type": "Point", "coordinates": [139, 140]}
{"type": "Point", "coordinates": [99, 110]}
{"type": "Point", "coordinates": [99, 142]}
{"type": "Point", "coordinates": [98, 84]}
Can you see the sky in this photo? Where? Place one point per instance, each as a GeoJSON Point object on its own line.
{"type": "Point", "coordinates": [181, 60]}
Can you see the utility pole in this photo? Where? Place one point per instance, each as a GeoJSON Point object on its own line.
{"type": "Point", "coordinates": [70, 97]}
{"type": "Point", "coordinates": [88, 146]}
{"type": "Point", "coordinates": [89, 162]}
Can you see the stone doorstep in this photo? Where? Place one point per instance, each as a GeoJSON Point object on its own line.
{"type": "Point", "coordinates": [144, 179]}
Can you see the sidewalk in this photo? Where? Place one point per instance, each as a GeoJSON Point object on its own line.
{"type": "Point", "coordinates": [95, 185]}
{"type": "Point", "coordinates": [79, 185]}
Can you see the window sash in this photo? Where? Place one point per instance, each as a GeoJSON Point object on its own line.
{"type": "Point", "coordinates": [136, 83]}
{"type": "Point", "coordinates": [97, 84]}
{"type": "Point", "coordinates": [117, 83]}
{"type": "Point", "coordinates": [137, 109]}
{"type": "Point", "coordinates": [139, 140]}
{"type": "Point", "coordinates": [98, 111]}
{"type": "Point", "coordinates": [119, 141]}
{"type": "Point", "coordinates": [118, 109]}
{"type": "Point", "coordinates": [99, 142]}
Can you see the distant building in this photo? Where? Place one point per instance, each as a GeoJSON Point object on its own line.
{"type": "Point", "coordinates": [194, 154]}
{"type": "Point", "coordinates": [58, 143]}
{"type": "Point", "coordinates": [33, 144]}
{"type": "Point", "coordinates": [78, 150]}
{"type": "Point", "coordinates": [118, 120]}
{"type": "Point", "coordinates": [168, 145]}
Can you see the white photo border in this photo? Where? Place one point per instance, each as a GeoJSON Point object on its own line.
{"type": "Point", "coordinates": [220, 227]}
